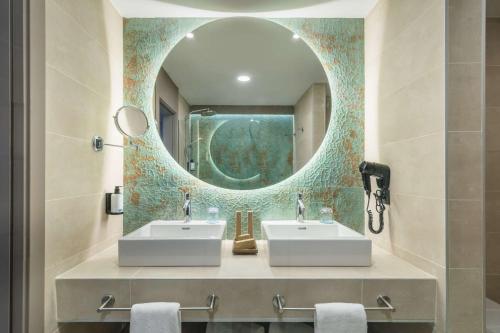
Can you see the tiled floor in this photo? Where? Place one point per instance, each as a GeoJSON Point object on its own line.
{"type": "Point", "coordinates": [492, 317]}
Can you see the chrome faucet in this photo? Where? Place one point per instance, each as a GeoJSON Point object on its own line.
{"type": "Point", "coordinates": [187, 208]}
{"type": "Point", "coordinates": [301, 208]}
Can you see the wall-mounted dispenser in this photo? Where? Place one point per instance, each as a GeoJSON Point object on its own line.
{"type": "Point", "coordinates": [114, 202]}
{"type": "Point", "coordinates": [382, 173]}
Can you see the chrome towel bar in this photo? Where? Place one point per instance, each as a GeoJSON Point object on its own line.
{"type": "Point", "coordinates": [384, 303]}
{"type": "Point", "coordinates": [108, 301]}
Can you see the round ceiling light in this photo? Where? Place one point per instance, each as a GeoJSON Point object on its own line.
{"type": "Point", "coordinates": [295, 36]}
{"type": "Point", "coordinates": [243, 78]}
{"type": "Point", "coordinates": [190, 35]}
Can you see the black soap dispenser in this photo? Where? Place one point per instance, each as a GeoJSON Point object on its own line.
{"type": "Point", "coordinates": [114, 202]}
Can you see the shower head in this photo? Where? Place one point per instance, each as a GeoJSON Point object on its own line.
{"type": "Point", "coordinates": [207, 112]}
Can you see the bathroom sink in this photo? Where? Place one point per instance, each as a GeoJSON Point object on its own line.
{"type": "Point", "coordinates": [173, 243]}
{"type": "Point", "coordinates": [314, 244]}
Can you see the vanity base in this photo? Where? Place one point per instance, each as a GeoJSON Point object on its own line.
{"type": "Point", "coordinates": [245, 286]}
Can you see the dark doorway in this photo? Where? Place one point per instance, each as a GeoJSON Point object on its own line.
{"type": "Point", "coordinates": [168, 129]}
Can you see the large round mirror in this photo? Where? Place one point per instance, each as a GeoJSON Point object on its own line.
{"type": "Point", "coordinates": [242, 103]}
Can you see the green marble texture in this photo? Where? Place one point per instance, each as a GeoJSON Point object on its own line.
{"type": "Point", "coordinates": [155, 183]}
{"type": "Point", "coordinates": [242, 152]}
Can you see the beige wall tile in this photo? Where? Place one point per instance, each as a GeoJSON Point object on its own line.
{"type": "Point", "coordinates": [409, 57]}
{"type": "Point", "coordinates": [493, 41]}
{"type": "Point", "coordinates": [492, 208]}
{"type": "Point", "coordinates": [493, 129]}
{"type": "Point", "coordinates": [493, 8]}
{"type": "Point", "coordinates": [464, 165]}
{"type": "Point", "coordinates": [465, 218]}
{"type": "Point", "coordinates": [76, 224]}
{"type": "Point", "coordinates": [71, 50]}
{"type": "Point", "coordinates": [492, 174]}
{"type": "Point", "coordinates": [493, 149]}
{"type": "Point", "coordinates": [492, 251]}
{"type": "Point", "coordinates": [465, 300]}
{"type": "Point", "coordinates": [414, 110]}
{"type": "Point", "coordinates": [413, 299]}
{"type": "Point", "coordinates": [492, 84]}
{"type": "Point", "coordinates": [465, 19]}
{"type": "Point", "coordinates": [465, 98]}
{"type": "Point", "coordinates": [74, 169]}
{"type": "Point", "coordinates": [97, 17]}
{"type": "Point", "coordinates": [389, 19]}
{"type": "Point", "coordinates": [417, 224]}
{"type": "Point", "coordinates": [417, 165]}
{"type": "Point", "coordinates": [493, 287]}
{"type": "Point", "coordinates": [75, 110]}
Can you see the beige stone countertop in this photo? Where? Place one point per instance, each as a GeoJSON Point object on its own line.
{"type": "Point", "coordinates": [105, 265]}
{"type": "Point", "coordinates": [245, 286]}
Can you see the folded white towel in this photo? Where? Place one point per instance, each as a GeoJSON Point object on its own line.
{"type": "Point", "coordinates": [340, 318]}
{"type": "Point", "coordinates": [155, 318]}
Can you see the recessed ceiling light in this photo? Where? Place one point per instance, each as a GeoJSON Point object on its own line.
{"type": "Point", "coordinates": [190, 35]}
{"type": "Point", "coordinates": [295, 36]}
{"type": "Point", "coordinates": [243, 78]}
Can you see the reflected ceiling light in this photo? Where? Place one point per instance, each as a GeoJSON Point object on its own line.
{"type": "Point", "coordinates": [295, 36]}
{"type": "Point", "coordinates": [243, 78]}
{"type": "Point", "coordinates": [190, 35]}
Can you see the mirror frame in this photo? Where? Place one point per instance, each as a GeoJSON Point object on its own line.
{"type": "Point", "coordinates": [154, 182]}
{"type": "Point", "coordinates": [120, 129]}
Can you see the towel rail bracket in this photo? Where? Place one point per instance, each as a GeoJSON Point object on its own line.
{"type": "Point", "coordinates": [108, 301]}
{"type": "Point", "coordinates": [383, 301]}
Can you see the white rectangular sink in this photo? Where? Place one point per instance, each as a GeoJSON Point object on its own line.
{"type": "Point", "coordinates": [173, 243]}
{"type": "Point", "coordinates": [314, 244]}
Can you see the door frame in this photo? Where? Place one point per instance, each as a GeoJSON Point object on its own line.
{"type": "Point", "coordinates": [22, 165]}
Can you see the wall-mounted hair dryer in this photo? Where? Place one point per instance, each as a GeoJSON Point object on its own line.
{"type": "Point", "coordinates": [382, 173]}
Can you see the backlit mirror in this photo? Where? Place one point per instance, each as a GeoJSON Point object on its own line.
{"type": "Point", "coordinates": [242, 103]}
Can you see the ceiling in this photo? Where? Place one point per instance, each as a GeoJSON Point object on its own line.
{"type": "Point", "coordinates": [257, 8]}
{"type": "Point", "coordinates": [206, 67]}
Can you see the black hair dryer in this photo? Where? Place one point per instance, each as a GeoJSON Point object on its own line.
{"type": "Point", "coordinates": [382, 173]}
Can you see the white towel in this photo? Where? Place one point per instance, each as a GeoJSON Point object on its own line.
{"type": "Point", "coordinates": [155, 318]}
{"type": "Point", "coordinates": [340, 318]}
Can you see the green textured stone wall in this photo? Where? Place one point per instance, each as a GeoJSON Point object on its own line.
{"type": "Point", "coordinates": [155, 183]}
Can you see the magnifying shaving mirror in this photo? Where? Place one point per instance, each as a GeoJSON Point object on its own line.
{"type": "Point", "coordinates": [130, 121]}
